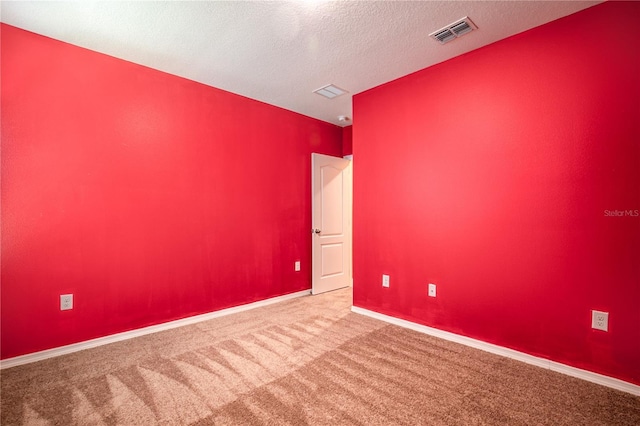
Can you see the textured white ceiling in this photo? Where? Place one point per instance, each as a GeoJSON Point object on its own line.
{"type": "Point", "coordinates": [279, 52]}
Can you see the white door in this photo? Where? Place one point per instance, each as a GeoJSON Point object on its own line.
{"type": "Point", "coordinates": [331, 222]}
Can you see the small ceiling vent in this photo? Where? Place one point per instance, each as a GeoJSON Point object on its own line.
{"type": "Point", "coordinates": [330, 91]}
{"type": "Point", "coordinates": [453, 31]}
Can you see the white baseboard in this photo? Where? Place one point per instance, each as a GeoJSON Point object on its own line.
{"type": "Point", "coordinates": [506, 352]}
{"type": "Point", "coordinates": [87, 344]}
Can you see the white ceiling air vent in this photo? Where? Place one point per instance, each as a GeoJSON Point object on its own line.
{"type": "Point", "coordinates": [453, 31]}
{"type": "Point", "coordinates": [330, 91]}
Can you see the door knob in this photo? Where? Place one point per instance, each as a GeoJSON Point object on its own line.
{"type": "Point", "coordinates": [316, 230]}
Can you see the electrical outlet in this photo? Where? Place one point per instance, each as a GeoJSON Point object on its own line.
{"type": "Point", "coordinates": [66, 302]}
{"type": "Point", "coordinates": [600, 320]}
{"type": "Point", "coordinates": [432, 290]}
{"type": "Point", "coordinates": [296, 266]}
{"type": "Point", "coordinates": [385, 280]}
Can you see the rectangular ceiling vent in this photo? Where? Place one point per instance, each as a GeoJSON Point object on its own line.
{"type": "Point", "coordinates": [453, 31]}
{"type": "Point", "coordinates": [330, 91]}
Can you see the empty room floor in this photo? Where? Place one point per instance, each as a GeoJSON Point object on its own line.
{"type": "Point", "coordinates": [305, 361]}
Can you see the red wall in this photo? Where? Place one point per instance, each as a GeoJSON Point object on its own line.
{"type": "Point", "coordinates": [147, 196]}
{"type": "Point", "coordinates": [489, 175]}
{"type": "Point", "coordinates": [347, 140]}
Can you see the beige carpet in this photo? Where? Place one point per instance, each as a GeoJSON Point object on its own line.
{"type": "Point", "coordinates": [307, 361]}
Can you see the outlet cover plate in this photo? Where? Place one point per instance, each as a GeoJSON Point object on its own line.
{"type": "Point", "coordinates": [432, 290]}
{"type": "Point", "coordinates": [66, 302]}
{"type": "Point", "coordinates": [296, 266]}
{"type": "Point", "coordinates": [600, 320]}
{"type": "Point", "coordinates": [385, 280]}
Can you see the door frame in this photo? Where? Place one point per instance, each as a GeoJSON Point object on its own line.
{"type": "Point", "coordinates": [347, 211]}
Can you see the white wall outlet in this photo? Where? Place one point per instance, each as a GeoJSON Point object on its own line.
{"type": "Point", "coordinates": [432, 290]}
{"type": "Point", "coordinates": [385, 280]}
{"type": "Point", "coordinates": [66, 302]}
{"type": "Point", "coordinates": [600, 320]}
{"type": "Point", "coordinates": [296, 266]}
